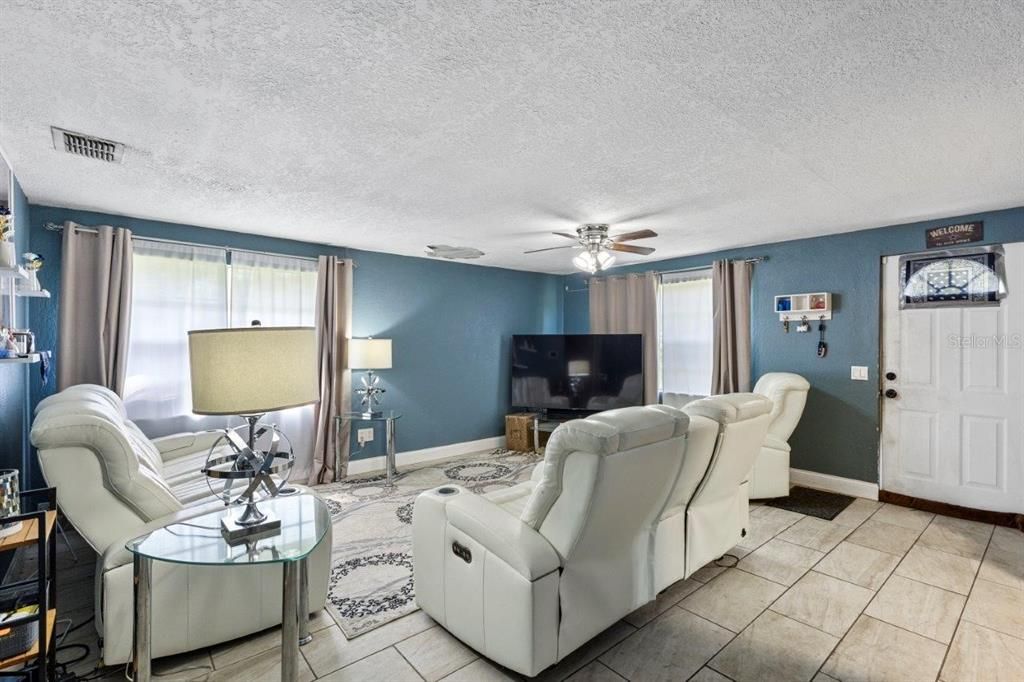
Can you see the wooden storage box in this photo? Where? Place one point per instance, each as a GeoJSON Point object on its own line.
{"type": "Point", "coordinates": [519, 431]}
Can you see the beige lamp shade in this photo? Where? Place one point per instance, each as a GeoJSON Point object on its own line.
{"type": "Point", "coordinates": [579, 368]}
{"type": "Point", "coordinates": [252, 370]}
{"type": "Point", "coordinates": [369, 353]}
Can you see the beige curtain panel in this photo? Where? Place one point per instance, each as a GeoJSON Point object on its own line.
{"type": "Point", "coordinates": [333, 328]}
{"type": "Point", "coordinates": [629, 305]}
{"type": "Point", "coordinates": [731, 311]}
{"type": "Point", "coordinates": [95, 306]}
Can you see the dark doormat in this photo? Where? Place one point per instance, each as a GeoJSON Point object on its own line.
{"type": "Point", "coordinates": [812, 502]}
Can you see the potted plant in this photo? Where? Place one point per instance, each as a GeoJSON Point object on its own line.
{"type": "Point", "coordinates": [8, 256]}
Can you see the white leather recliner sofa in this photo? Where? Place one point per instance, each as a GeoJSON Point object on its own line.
{"type": "Point", "coordinates": [114, 484]}
{"type": "Point", "coordinates": [788, 393]}
{"type": "Point", "coordinates": [708, 513]}
{"type": "Point", "coordinates": [526, 575]}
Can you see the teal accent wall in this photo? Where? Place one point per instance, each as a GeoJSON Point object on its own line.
{"type": "Point", "coordinates": [838, 434]}
{"type": "Point", "coordinates": [14, 396]}
{"type": "Point", "coordinates": [450, 323]}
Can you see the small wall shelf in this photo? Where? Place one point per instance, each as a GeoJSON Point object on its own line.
{"type": "Point", "coordinates": [29, 359]}
{"type": "Point", "coordinates": [23, 281]}
{"type": "Point", "coordinates": [796, 307]}
{"type": "Point", "coordinates": [17, 272]}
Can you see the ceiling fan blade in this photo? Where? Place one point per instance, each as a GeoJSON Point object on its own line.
{"type": "Point", "coordinates": [554, 248]}
{"type": "Point", "coordinates": [628, 248]}
{"type": "Point", "coordinates": [639, 234]}
{"type": "Point", "coordinates": [574, 237]}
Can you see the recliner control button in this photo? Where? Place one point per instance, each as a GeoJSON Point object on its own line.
{"type": "Point", "coordinates": [462, 552]}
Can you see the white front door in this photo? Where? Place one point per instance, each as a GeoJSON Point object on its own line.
{"type": "Point", "coordinates": [953, 419]}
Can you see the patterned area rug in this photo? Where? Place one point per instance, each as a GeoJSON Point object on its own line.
{"type": "Point", "coordinates": [371, 574]}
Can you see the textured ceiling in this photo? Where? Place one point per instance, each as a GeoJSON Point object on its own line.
{"type": "Point", "coordinates": [392, 125]}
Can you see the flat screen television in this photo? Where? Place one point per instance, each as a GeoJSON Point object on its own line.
{"type": "Point", "coordinates": [577, 372]}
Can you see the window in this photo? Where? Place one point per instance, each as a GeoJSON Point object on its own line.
{"type": "Point", "coordinates": [276, 290]}
{"type": "Point", "coordinates": [961, 277]}
{"type": "Point", "coordinates": [687, 333]}
{"type": "Point", "coordinates": [175, 288]}
{"type": "Point", "coordinates": [180, 287]}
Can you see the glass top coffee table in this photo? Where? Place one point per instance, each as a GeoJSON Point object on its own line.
{"type": "Point", "coordinates": [305, 520]}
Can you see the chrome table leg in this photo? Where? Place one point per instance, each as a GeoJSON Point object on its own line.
{"type": "Point", "coordinates": [304, 635]}
{"type": "Point", "coordinates": [142, 633]}
{"type": "Point", "coordinates": [389, 427]}
{"type": "Point", "coordinates": [290, 571]}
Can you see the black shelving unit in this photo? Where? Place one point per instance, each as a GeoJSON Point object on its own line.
{"type": "Point", "coordinates": [38, 533]}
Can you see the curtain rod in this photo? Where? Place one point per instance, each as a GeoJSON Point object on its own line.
{"type": "Point", "coordinates": [55, 227]}
{"type": "Point", "coordinates": [758, 259]}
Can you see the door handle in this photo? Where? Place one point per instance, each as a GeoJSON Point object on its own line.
{"type": "Point", "coordinates": [891, 393]}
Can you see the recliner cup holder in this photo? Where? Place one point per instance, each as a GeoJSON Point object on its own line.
{"type": "Point", "coordinates": [447, 490]}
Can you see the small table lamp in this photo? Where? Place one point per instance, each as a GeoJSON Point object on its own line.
{"type": "Point", "coordinates": [249, 371]}
{"type": "Point", "coordinates": [370, 354]}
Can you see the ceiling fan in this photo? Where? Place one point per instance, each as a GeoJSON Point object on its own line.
{"type": "Point", "coordinates": [596, 246]}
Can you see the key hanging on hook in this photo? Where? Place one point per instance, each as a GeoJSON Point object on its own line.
{"type": "Point", "coordinates": [822, 346]}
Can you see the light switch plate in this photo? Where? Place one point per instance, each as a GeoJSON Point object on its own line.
{"type": "Point", "coordinates": [364, 435]}
{"type": "Point", "coordinates": [858, 373]}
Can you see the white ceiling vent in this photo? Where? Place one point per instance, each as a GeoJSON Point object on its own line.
{"type": "Point", "coordinates": [453, 252]}
{"type": "Point", "coordinates": [87, 145]}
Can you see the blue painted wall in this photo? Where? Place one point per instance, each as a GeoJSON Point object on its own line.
{"type": "Point", "coordinates": [838, 434]}
{"type": "Point", "coordinates": [14, 399]}
{"type": "Point", "coordinates": [450, 325]}
{"type": "Point", "coordinates": [449, 322]}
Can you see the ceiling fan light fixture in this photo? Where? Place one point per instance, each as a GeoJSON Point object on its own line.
{"type": "Point", "coordinates": [597, 248]}
{"type": "Point", "coordinates": [593, 262]}
{"type": "Point", "coordinates": [586, 262]}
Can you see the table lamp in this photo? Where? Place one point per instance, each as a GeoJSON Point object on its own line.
{"type": "Point", "coordinates": [249, 371]}
{"type": "Point", "coordinates": [370, 354]}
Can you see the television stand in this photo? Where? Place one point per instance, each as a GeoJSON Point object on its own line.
{"type": "Point", "coordinates": [548, 422]}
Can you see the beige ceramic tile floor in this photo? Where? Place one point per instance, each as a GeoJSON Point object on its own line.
{"type": "Point", "coordinates": [881, 593]}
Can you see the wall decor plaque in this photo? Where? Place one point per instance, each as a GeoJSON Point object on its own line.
{"type": "Point", "coordinates": [951, 235]}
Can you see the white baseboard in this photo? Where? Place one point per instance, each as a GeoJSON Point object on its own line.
{"type": "Point", "coordinates": [404, 459]}
{"type": "Point", "coordinates": [833, 484]}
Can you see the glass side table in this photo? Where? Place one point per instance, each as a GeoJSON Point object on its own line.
{"type": "Point", "coordinates": [390, 420]}
{"type": "Point", "coordinates": [197, 541]}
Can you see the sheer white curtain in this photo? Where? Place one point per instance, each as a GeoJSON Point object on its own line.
{"type": "Point", "coordinates": [176, 288]}
{"type": "Point", "coordinates": [276, 290]}
{"type": "Point", "coordinates": [279, 292]}
{"type": "Point", "coordinates": [687, 333]}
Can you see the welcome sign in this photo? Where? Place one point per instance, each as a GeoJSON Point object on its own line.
{"type": "Point", "coordinates": [951, 235]}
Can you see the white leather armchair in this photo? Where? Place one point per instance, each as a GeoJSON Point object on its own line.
{"type": "Point", "coordinates": [788, 393]}
{"type": "Point", "coordinates": [115, 484]}
{"type": "Point", "coordinates": [526, 575]}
